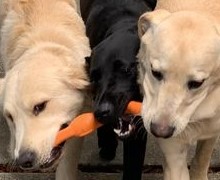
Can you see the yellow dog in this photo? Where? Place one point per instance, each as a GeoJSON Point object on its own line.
{"type": "Point", "coordinates": [180, 77]}
{"type": "Point", "coordinates": [43, 46]}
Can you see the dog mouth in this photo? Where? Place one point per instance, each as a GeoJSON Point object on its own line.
{"type": "Point", "coordinates": [55, 154]}
{"type": "Point", "coordinates": [47, 165]}
{"type": "Point", "coordinates": [126, 126]}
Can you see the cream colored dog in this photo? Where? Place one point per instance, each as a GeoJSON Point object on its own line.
{"type": "Point", "coordinates": [43, 46]}
{"type": "Point", "coordinates": [180, 77]}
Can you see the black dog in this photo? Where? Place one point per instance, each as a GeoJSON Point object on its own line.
{"type": "Point", "coordinates": [111, 26]}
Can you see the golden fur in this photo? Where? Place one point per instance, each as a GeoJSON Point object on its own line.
{"type": "Point", "coordinates": [180, 40]}
{"type": "Point", "coordinates": [43, 47]}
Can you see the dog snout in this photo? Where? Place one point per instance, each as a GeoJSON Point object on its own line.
{"type": "Point", "coordinates": [26, 159]}
{"type": "Point", "coordinates": [104, 112]}
{"type": "Point", "coordinates": [161, 130]}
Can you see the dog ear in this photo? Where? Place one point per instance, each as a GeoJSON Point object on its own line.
{"type": "Point", "coordinates": [78, 78]}
{"type": "Point", "coordinates": [150, 19]}
{"type": "Point", "coordinates": [20, 6]}
{"type": "Point", "coordinates": [25, 6]}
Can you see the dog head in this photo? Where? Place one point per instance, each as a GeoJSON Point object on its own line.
{"type": "Point", "coordinates": [113, 74]}
{"type": "Point", "coordinates": [43, 46]}
{"type": "Point", "coordinates": [41, 93]}
{"type": "Point", "coordinates": [179, 67]}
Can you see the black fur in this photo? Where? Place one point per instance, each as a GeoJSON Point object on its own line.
{"type": "Point", "coordinates": [111, 26]}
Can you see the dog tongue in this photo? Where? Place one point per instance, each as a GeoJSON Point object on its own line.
{"type": "Point", "coordinates": [85, 123]}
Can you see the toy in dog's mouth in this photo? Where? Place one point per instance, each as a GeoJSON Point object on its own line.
{"type": "Point", "coordinates": [85, 123]}
{"type": "Point", "coordinates": [55, 153]}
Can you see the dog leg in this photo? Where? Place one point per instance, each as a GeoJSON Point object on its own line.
{"type": "Point", "coordinates": [134, 153]}
{"type": "Point", "coordinates": [68, 166]}
{"type": "Point", "coordinates": [107, 142]}
{"type": "Point", "coordinates": [175, 153]}
{"type": "Point", "coordinates": [200, 163]}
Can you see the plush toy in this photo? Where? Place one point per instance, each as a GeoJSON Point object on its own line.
{"type": "Point", "coordinates": [85, 123]}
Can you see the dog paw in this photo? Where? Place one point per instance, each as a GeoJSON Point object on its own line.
{"type": "Point", "coordinates": [107, 154]}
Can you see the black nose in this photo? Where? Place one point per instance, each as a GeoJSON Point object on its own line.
{"type": "Point", "coordinates": [26, 159]}
{"type": "Point", "coordinates": [104, 112]}
{"type": "Point", "coordinates": [163, 131]}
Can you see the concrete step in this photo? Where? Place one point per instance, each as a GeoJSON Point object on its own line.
{"type": "Point", "coordinates": [86, 176]}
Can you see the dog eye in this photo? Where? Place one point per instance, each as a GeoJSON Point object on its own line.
{"type": "Point", "coordinates": [127, 70]}
{"type": "Point", "coordinates": [194, 84]}
{"type": "Point", "coordinates": [158, 75]}
{"type": "Point", "coordinates": [39, 108]}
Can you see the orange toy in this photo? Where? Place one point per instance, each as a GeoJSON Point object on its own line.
{"type": "Point", "coordinates": [85, 124]}
{"type": "Point", "coordinates": [134, 107]}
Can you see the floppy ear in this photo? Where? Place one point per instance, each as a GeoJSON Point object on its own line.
{"type": "Point", "coordinates": [151, 19]}
{"type": "Point", "coordinates": [20, 6]}
{"type": "Point", "coordinates": [25, 6]}
{"type": "Point", "coordinates": [78, 77]}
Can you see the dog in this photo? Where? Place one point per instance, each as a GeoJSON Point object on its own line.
{"type": "Point", "coordinates": [179, 76]}
{"type": "Point", "coordinates": [43, 47]}
{"type": "Point", "coordinates": [112, 30]}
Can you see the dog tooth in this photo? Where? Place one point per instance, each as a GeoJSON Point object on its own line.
{"type": "Point", "coordinates": [117, 131]}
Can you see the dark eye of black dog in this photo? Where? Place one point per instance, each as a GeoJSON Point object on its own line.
{"type": "Point", "coordinates": [127, 70]}
{"type": "Point", "coordinates": [119, 66]}
{"type": "Point", "coordinates": [157, 74]}
{"type": "Point", "coordinates": [39, 108]}
{"type": "Point", "coordinates": [194, 84]}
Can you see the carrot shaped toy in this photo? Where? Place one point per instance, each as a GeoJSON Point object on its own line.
{"type": "Point", "coordinates": [134, 107]}
{"type": "Point", "coordinates": [85, 123]}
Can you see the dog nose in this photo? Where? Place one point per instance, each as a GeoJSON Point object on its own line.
{"type": "Point", "coordinates": [104, 112]}
{"type": "Point", "coordinates": [26, 159]}
{"type": "Point", "coordinates": [163, 131]}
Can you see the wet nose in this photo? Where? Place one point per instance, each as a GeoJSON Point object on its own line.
{"type": "Point", "coordinates": [160, 130]}
{"type": "Point", "coordinates": [26, 159]}
{"type": "Point", "coordinates": [104, 112]}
